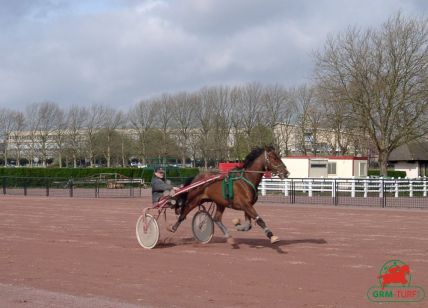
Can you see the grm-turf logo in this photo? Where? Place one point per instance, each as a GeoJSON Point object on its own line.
{"type": "Point", "coordinates": [395, 284]}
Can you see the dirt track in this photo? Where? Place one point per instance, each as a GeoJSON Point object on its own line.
{"type": "Point", "coordinates": [57, 252]}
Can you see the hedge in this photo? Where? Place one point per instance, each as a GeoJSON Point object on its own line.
{"type": "Point", "coordinates": [390, 173]}
{"type": "Point", "coordinates": [79, 173]}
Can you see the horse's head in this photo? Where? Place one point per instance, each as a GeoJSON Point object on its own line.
{"type": "Point", "coordinates": [274, 163]}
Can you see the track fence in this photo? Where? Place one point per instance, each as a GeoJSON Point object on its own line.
{"type": "Point", "coordinates": [60, 187]}
{"type": "Point", "coordinates": [379, 192]}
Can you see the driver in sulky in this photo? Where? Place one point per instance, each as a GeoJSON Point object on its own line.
{"type": "Point", "coordinates": [160, 185]}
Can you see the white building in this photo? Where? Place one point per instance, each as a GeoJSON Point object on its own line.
{"type": "Point", "coordinates": [411, 158]}
{"type": "Point", "coordinates": [326, 166]}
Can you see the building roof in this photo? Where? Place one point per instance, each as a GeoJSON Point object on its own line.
{"type": "Point", "coordinates": [327, 157]}
{"type": "Point", "coordinates": [414, 151]}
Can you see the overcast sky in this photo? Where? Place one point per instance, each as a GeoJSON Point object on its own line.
{"type": "Point", "coordinates": [118, 52]}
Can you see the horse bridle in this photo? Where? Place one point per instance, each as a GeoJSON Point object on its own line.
{"type": "Point", "coordinates": [274, 168]}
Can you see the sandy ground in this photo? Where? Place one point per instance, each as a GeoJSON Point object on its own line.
{"type": "Point", "coordinates": [77, 252]}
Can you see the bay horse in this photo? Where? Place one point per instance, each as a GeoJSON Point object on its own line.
{"type": "Point", "coordinates": [256, 163]}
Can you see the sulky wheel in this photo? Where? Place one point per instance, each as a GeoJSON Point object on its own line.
{"type": "Point", "coordinates": [202, 227]}
{"type": "Point", "coordinates": [147, 231]}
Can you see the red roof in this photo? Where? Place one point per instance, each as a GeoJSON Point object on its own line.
{"type": "Point", "coordinates": [329, 157]}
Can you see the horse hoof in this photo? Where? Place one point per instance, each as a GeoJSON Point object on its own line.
{"type": "Point", "coordinates": [231, 241]}
{"type": "Point", "coordinates": [274, 239]}
{"type": "Point", "coordinates": [236, 221]}
{"type": "Point", "coordinates": [170, 228]}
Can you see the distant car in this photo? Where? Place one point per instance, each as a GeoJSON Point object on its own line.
{"type": "Point", "coordinates": [137, 164]}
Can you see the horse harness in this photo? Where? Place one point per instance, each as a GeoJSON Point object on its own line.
{"type": "Point", "coordinates": [227, 185]}
{"type": "Point", "coordinates": [235, 175]}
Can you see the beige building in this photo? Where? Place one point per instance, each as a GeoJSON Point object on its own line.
{"type": "Point", "coordinates": [326, 166]}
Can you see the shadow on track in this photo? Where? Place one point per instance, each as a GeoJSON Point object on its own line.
{"type": "Point", "coordinates": [252, 243]}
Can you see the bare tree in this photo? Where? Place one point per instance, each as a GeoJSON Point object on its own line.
{"type": "Point", "coordinates": [48, 115]}
{"type": "Point", "coordinates": [163, 117]}
{"type": "Point", "coordinates": [33, 123]}
{"type": "Point", "coordinates": [284, 104]}
{"type": "Point", "coordinates": [111, 120]}
{"type": "Point", "coordinates": [126, 144]}
{"type": "Point", "coordinates": [18, 135]}
{"type": "Point", "coordinates": [183, 111]}
{"type": "Point", "coordinates": [41, 118]}
{"type": "Point", "coordinates": [277, 108]}
{"type": "Point", "coordinates": [7, 126]}
{"type": "Point", "coordinates": [93, 124]}
{"type": "Point", "coordinates": [338, 119]}
{"type": "Point", "coordinates": [203, 115]}
{"type": "Point", "coordinates": [249, 105]}
{"type": "Point", "coordinates": [141, 119]}
{"type": "Point", "coordinates": [308, 120]}
{"type": "Point", "coordinates": [59, 135]}
{"type": "Point", "coordinates": [76, 118]}
{"type": "Point", "coordinates": [382, 75]}
{"type": "Point", "coordinates": [221, 122]}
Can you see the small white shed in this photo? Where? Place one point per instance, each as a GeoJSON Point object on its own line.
{"type": "Point", "coordinates": [326, 166]}
{"type": "Point", "coordinates": [411, 158]}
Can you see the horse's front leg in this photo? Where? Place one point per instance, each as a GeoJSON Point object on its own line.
{"type": "Point", "coordinates": [251, 212]}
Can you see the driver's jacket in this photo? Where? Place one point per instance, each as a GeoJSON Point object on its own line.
{"type": "Point", "coordinates": [158, 187]}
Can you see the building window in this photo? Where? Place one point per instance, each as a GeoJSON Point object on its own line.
{"type": "Point", "coordinates": [331, 168]}
{"type": "Point", "coordinates": [363, 169]}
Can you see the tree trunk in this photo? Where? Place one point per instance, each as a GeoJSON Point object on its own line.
{"type": "Point", "coordinates": [123, 156]}
{"type": "Point", "coordinates": [5, 154]}
{"type": "Point", "coordinates": [18, 158]}
{"type": "Point", "coordinates": [108, 151]}
{"type": "Point", "coordinates": [383, 162]}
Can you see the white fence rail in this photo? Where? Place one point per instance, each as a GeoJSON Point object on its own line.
{"type": "Point", "coordinates": [355, 187]}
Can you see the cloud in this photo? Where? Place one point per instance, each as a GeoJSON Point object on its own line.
{"type": "Point", "coordinates": [118, 52]}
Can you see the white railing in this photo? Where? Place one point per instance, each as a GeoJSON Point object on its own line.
{"type": "Point", "coordinates": [354, 187]}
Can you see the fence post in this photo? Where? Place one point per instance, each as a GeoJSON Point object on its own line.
{"type": "Point", "coordinates": [310, 188]}
{"type": "Point", "coordinates": [293, 192]}
{"type": "Point", "coordinates": [334, 188]}
{"type": "Point", "coordinates": [425, 186]}
{"type": "Point", "coordinates": [25, 187]}
{"type": "Point", "coordinates": [365, 187]}
{"type": "Point", "coordinates": [353, 187]}
{"type": "Point", "coordinates": [410, 188]}
{"type": "Point", "coordinates": [263, 188]}
{"type": "Point", "coordinates": [71, 187]}
{"type": "Point", "coordinates": [382, 192]}
{"type": "Point", "coordinates": [47, 187]}
{"type": "Point", "coordinates": [131, 188]}
{"type": "Point", "coordinates": [286, 188]}
{"type": "Point", "coordinates": [396, 188]}
{"type": "Point", "coordinates": [4, 185]}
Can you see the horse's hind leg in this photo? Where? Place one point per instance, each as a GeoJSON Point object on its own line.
{"type": "Point", "coordinates": [251, 212]}
{"type": "Point", "coordinates": [246, 226]}
{"type": "Point", "coordinates": [186, 209]}
{"type": "Point", "coordinates": [217, 219]}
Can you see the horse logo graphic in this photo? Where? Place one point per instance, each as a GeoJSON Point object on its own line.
{"type": "Point", "coordinates": [395, 280]}
{"type": "Point", "coordinates": [395, 274]}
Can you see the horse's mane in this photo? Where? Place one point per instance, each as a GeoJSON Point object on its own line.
{"type": "Point", "coordinates": [251, 157]}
